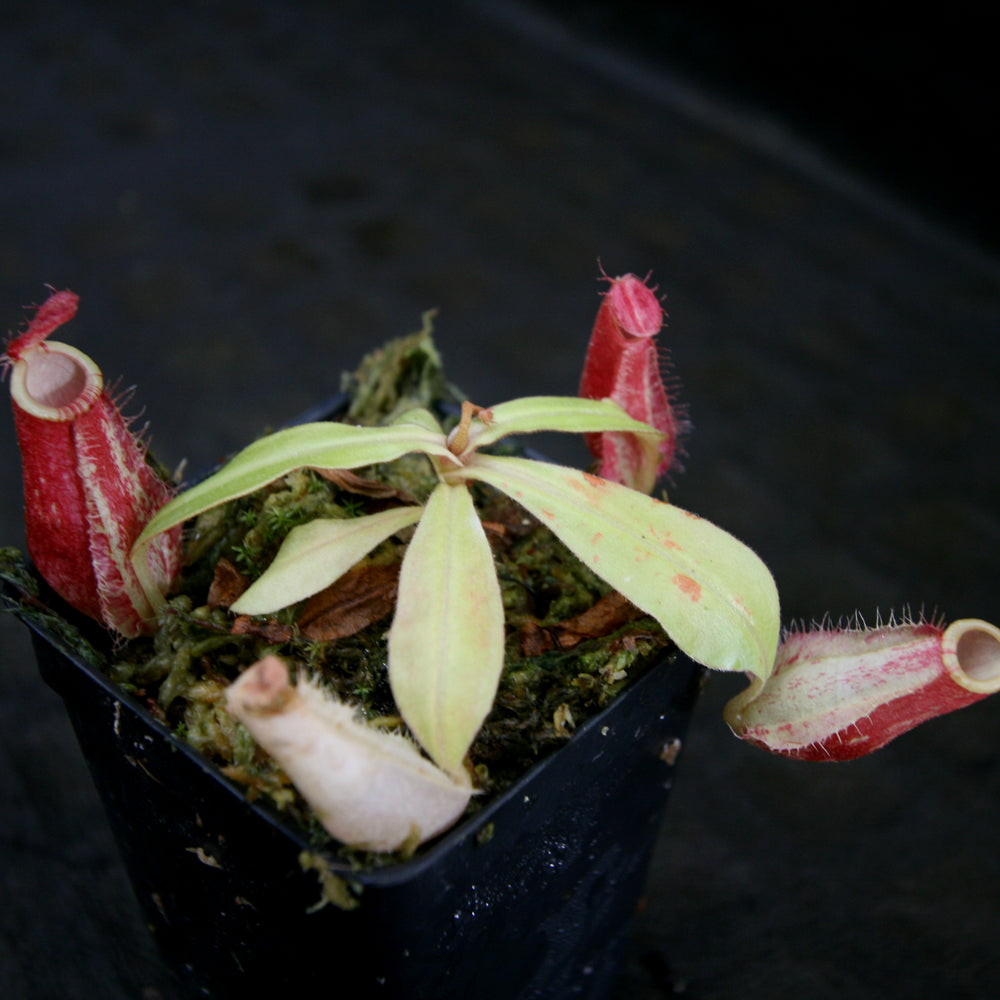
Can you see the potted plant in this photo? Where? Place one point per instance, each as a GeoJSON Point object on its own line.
{"type": "Point", "coordinates": [263, 727]}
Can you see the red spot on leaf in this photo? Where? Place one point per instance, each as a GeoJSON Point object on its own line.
{"type": "Point", "coordinates": [687, 586]}
{"type": "Point", "coordinates": [666, 541]}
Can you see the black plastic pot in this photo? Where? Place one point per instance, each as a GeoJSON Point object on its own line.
{"type": "Point", "coordinates": [532, 898]}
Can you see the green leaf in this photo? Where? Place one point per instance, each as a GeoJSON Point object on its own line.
{"type": "Point", "coordinates": [313, 555]}
{"type": "Point", "coordinates": [419, 417]}
{"type": "Point", "coordinates": [556, 413]}
{"type": "Point", "coordinates": [446, 644]}
{"type": "Point", "coordinates": [322, 445]}
{"type": "Point", "coordinates": [713, 596]}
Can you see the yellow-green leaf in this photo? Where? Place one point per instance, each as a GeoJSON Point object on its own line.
{"type": "Point", "coordinates": [418, 417]}
{"type": "Point", "coordinates": [446, 644]}
{"type": "Point", "coordinates": [321, 445]}
{"type": "Point", "coordinates": [712, 594]}
{"type": "Point", "coordinates": [556, 413]}
{"type": "Point", "coordinates": [313, 555]}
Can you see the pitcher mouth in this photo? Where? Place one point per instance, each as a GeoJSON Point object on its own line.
{"type": "Point", "coordinates": [972, 654]}
{"type": "Point", "coordinates": [56, 382]}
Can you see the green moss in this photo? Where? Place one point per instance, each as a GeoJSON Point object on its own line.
{"type": "Point", "coordinates": [334, 889]}
{"type": "Point", "coordinates": [20, 594]}
{"type": "Point", "coordinates": [404, 373]}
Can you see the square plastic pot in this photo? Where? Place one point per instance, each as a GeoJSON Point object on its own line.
{"type": "Point", "coordinates": [532, 897]}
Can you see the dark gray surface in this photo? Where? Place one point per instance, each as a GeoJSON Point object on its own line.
{"type": "Point", "coordinates": [247, 196]}
{"type": "Point", "coordinates": [907, 100]}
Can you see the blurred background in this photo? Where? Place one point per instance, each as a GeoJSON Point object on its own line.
{"type": "Point", "coordinates": [906, 100]}
{"type": "Point", "coordinates": [249, 196]}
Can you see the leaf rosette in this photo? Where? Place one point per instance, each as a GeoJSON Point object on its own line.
{"type": "Point", "coordinates": [709, 592]}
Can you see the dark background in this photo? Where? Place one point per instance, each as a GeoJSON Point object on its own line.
{"type": "Point", "coordinates": [907, 97]}
{"type": "Point", "coordinates": [248, 195]}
